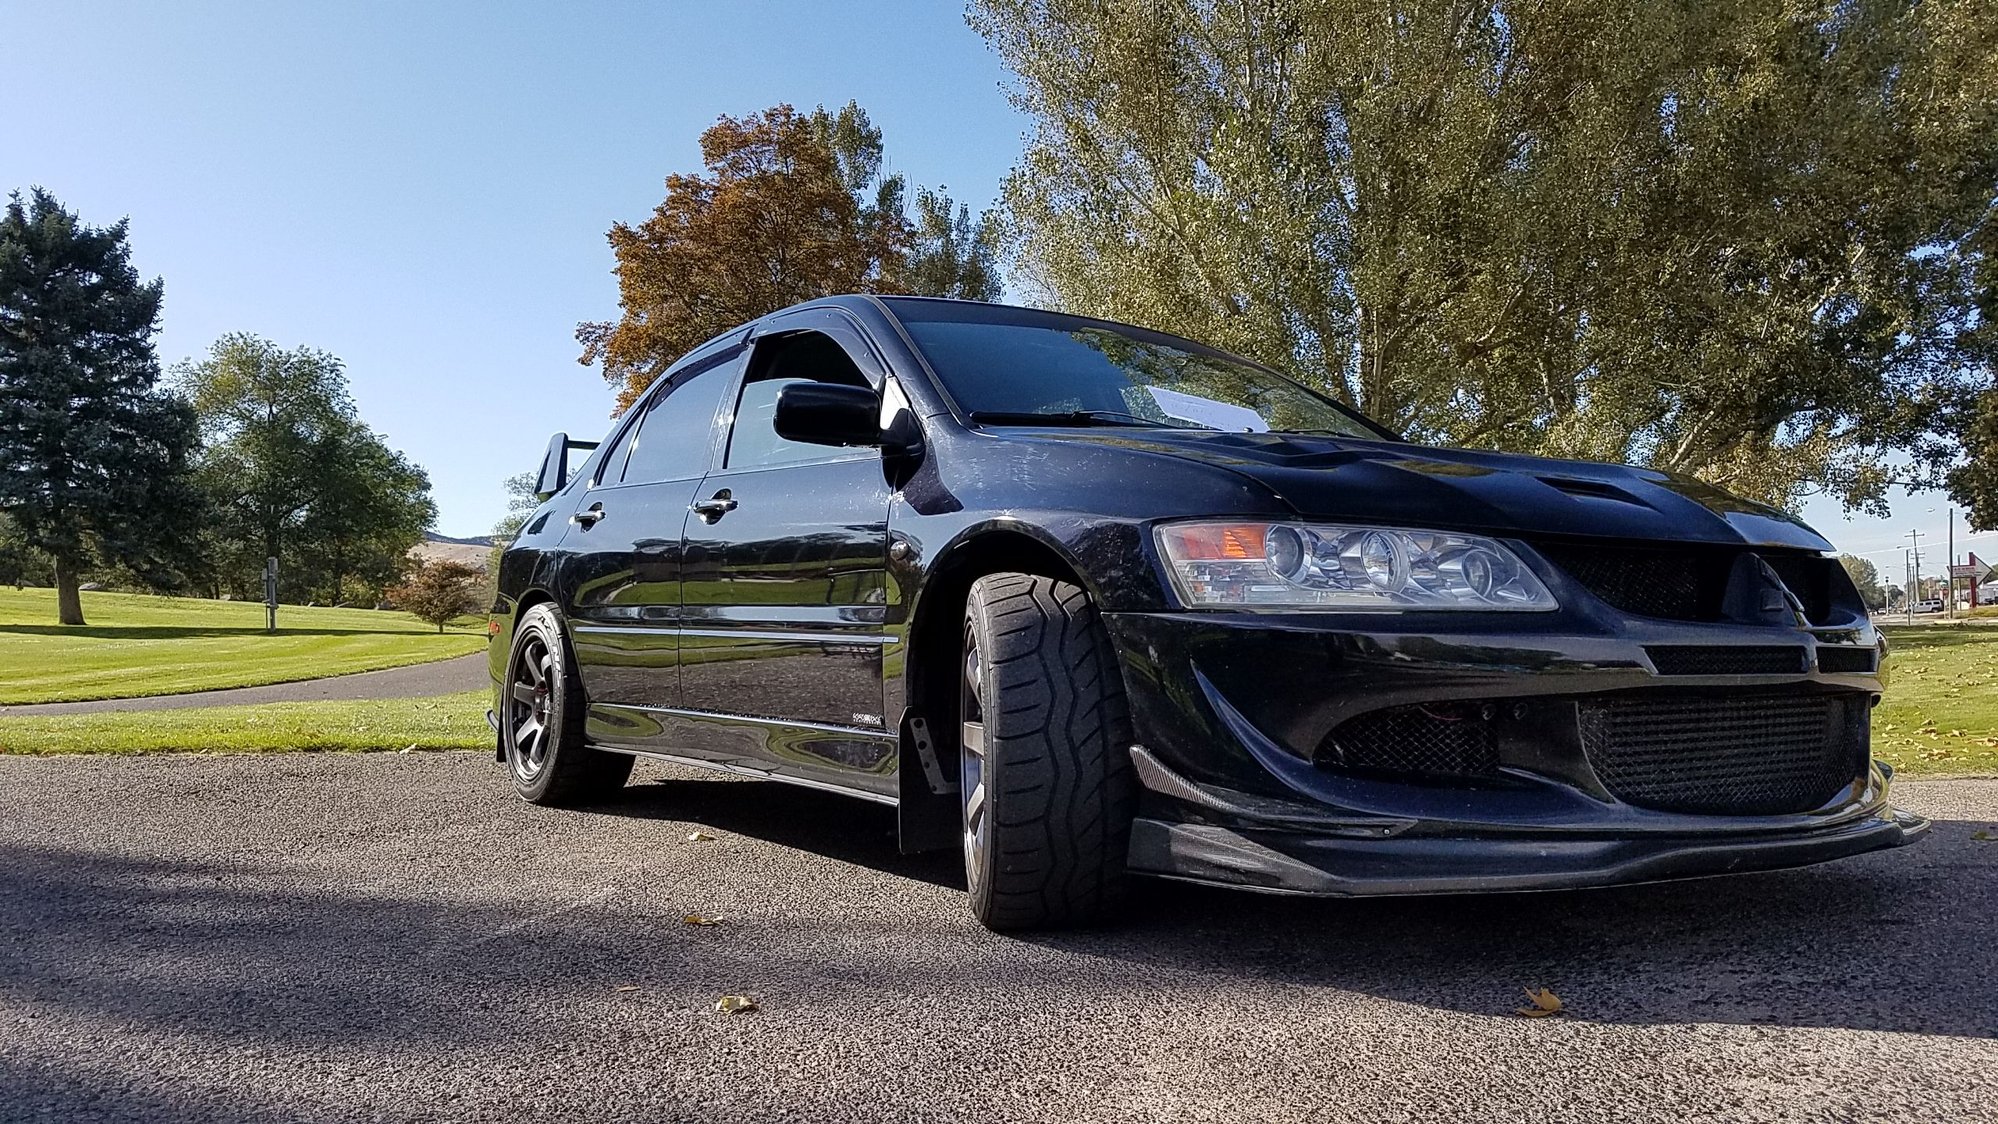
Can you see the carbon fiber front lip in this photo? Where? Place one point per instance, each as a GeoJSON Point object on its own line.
{"type": "Point", "coordinates": [1322, 865]}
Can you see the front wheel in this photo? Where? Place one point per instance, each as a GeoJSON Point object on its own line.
{"type": "Point", "coordinates": [1044, 756]}
{"type": "Point", "coordinates": [541, 723]}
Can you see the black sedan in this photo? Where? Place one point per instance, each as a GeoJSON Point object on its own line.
{"type": "Point", "coordinates": [1092, 601]}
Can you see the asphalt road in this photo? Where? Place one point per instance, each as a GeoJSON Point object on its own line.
{"type": "Point", "coordinates": [395, 937]}
{"type": "Point", "coordinates": [415, 681]}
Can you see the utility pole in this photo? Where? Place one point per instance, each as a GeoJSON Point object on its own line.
{"type": "Point", "coordinates": [1908, 584]}
{"type": "Point", "coordinates": [1949, 571]}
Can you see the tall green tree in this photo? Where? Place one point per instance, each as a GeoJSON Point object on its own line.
{"type": "Point", "coordinates": [1974, 483]}
{"type": "Point", "coordinates": [93, 452]}
{"type": "Point", "coordinates": [951, 256]}
{"type": "Point", "coordinates": [521, 503]}
{"type": "Point", "coordinates": [372, 505]}
{"type": "Point", "coordinates": [294, 474]}
{"type": "Point", "coordinates": [1735, 239]}
{"type": "Point", "coordinates": [1866, 578]}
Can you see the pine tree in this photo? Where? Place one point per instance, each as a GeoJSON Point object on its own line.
{"type": "Point", "coordinates": [93, 452]}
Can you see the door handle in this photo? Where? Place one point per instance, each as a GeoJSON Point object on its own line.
{"type": "Point", "coordinates": [588, 518]}
{"type": "Point", "coordinates": [712, 509]}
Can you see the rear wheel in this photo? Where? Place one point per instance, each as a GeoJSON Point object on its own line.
{"type": "Point", "coordinates": [1044, 761]}
{"type": "Point", "coordinates": [541, 723]}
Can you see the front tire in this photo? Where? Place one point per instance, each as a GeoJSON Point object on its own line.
{"type": "Point", "coordinates": [541, 724]}
{"type": "Point", "coordinates": [1044, 756]}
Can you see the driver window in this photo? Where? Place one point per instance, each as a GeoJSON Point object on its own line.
{"type": "Point", "coordinates": [673, 438]}
{"type": "Point", "coordinates": [777, 363]}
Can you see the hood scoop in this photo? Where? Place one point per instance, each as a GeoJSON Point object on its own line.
{"type": "Point", "coordinates": [1590, 489]}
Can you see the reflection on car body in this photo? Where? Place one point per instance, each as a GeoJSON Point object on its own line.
{"type": "Point", "coordinates": [1089, 601]}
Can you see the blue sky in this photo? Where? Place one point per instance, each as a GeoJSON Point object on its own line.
{"type": "Point", "coordinates": [423, 189]}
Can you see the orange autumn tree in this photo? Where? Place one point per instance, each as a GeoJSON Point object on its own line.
{"type": "Point", "coordinates": [792, 206]}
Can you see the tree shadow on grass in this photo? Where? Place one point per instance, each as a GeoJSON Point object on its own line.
{"type": "Point", "coordinates": [1932, 637]}
{"type": "Point", "coordinates": [153, 632]}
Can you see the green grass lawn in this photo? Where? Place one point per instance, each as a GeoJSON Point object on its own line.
{"type": "Point", "coordinates": [443, 722]}
{"type": "Point", "coordinates": [139, 645]}
{"type": "Point", "coordinates": [1939, 714]}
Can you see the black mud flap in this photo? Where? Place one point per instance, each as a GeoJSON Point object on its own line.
{"type": "Point", "coordinates": [927, 813]}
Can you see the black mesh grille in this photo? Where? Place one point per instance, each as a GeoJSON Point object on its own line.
{"type": "Point", "coordinates": [1442, 741]}
{"type": "Point", "coordinates": [1809, 578]}
{"type": "Point", "coordinates": [1733, 659]}
{"type": "Point", "coordinates": [1845, 661]}
{"type": "Point", "coordinates": [1680, 585]}
{"type": "Point", "coordinates": [1736, 754]}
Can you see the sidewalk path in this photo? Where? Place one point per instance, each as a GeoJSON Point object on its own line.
{"type": "Point", "coordinates": [440, 677]}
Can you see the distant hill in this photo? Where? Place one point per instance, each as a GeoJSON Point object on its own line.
{"type": "Point", "coordinates": [472, 552]}
{"type": "Point", "coordinates": [476, 540]}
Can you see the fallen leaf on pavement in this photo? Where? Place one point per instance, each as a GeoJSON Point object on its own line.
{"type": "Point", "coordinates": [700, 837]}
{"type": "Point", "coordinates": [702, 919]}
{"type": "Point", "coordinates": [1984, 837]}
{"type": "Point", "coordinates": [735, 1004]}
{"type": "Point", "coordinates": [1544, 1002]}
{"type": "Point", "coordinates": [625, 987]}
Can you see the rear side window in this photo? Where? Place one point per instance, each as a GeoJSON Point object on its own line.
{"type": "Point", "coordinates": [675, 435]}
{"type": "Point", "coordinates": [778, 363]}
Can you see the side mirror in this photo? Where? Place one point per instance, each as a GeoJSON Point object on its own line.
{"type": "Point", "coordinates": [820, 413]}
{"type": "Point", "coordinates": [554, 474]}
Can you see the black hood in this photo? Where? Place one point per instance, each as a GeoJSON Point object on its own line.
{"type": "Point", "coordinates": [1398, 484]}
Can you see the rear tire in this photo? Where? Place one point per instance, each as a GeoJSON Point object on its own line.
{"type": "Point", "coordinates": [1044, 756]}
{"type": "Point", "coordinates": [541, 720]}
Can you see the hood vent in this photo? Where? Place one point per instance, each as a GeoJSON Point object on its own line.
{"type": "Point", "coordinates": [1590, 489]}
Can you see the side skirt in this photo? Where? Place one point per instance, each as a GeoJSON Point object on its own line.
{"type": "Point", "coordinates": [747, 771]}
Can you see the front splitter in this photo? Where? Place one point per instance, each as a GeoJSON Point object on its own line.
{"type": "Point", "coordinates": [1293, 863]}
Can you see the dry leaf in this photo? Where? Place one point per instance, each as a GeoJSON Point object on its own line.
{"type": "Point", "coordinates": [735, 1004]}
{"type": "Point", "coordinates": [1984, 837]}
{"type": "Point", "coordinates": [1544, 1002]}
{"type": "Point", "coordinates": [625, 987]}
{"type": "Point", "coordinates": [700, 837]}
{"type": "Point", "coordinates": [702, 919]}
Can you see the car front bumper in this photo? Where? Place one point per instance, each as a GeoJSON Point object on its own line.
{"type": "Point", "coordinates": [1233, 713]}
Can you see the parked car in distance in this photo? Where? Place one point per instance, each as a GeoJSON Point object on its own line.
{"type": "Point", "coordinates": [1929, 605]}
{"type": "Point", "coordinates": [1087, 601]}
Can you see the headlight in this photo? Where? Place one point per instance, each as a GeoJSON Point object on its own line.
{"type": "Point", "coordinates": [1332, 566]}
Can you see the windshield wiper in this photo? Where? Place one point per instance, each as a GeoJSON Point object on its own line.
{"type": "Point", "coordinates": [1074, 417]}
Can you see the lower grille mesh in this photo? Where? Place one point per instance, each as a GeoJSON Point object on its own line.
{"type": "Point", "coordinates": [1728, 755]}
{"type": "Point", "coordinates": [1845, 661]}
{"type": "Point", "coordinates": [1443, 741]}
{"type": "Point", "coordinates": [1733, 659]}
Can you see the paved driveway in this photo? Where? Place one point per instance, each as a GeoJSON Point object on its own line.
{"type": "Point", "coordinates": [396, 937]}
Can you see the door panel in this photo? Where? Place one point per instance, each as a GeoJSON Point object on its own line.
{"type": "Point", "coordinates": [621, 580]}
{"type": "Point", "coordinates": [786, 595]}
{"type": "Point", "coordinates": [784, 585]}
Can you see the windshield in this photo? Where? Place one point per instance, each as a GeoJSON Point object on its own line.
{"type": "Point", "coordinates": [1032, 368]}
